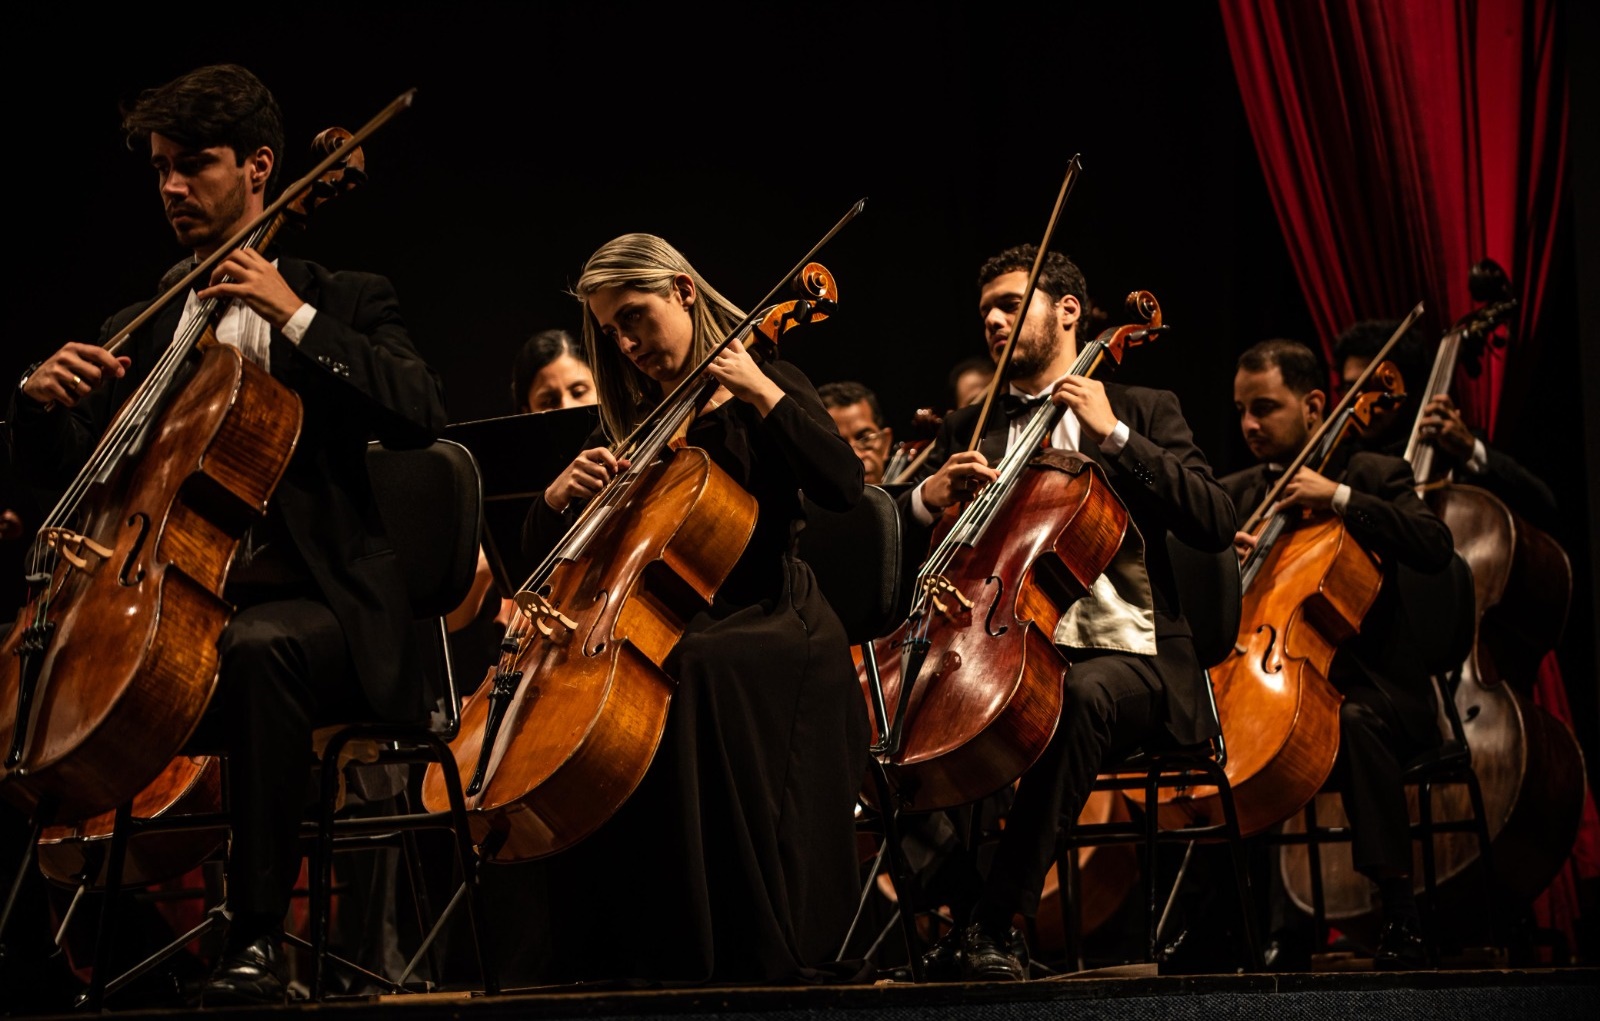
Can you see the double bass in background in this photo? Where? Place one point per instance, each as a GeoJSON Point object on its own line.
{"type": "Point", "coordinates": [1528, 763]}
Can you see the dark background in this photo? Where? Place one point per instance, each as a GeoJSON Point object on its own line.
{"type": "Point", "coordinates": [540, 131]}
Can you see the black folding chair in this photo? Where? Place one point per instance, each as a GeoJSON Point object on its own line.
{"type": "Point", "coordinates": [1209, 592]}
{"type": "Point", "coordinates": [857, 559]}
{"type": "Point", "coordinates": [432, 509]}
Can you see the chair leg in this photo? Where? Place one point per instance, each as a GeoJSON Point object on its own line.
{"type": "Point", "coordinates": [94, 996]}
{"type": "Point", "coordinates": [1069, 894]}
{"type": "Point", "coordinates": [1430, 885]}
{"type": "Point", "coordinates": [1319, 905]}
{"type": "Point", "coordinates": [1491, 890]}
{"type": "Point", "coordinates": [471, 862]}
{"type": "Point", "coordinates": [899, 872]}
{"type": "Point", "coordinates": [321, 906]}
{"type": "Point", "coordinates": [1241, 871]}
{"type": "Point", "coordinates": [1150, 829]}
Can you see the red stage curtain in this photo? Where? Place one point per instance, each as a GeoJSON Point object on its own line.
{"type": "Point", "coordinates": [1402, 142]}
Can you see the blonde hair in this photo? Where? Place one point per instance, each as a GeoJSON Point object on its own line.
{"type": "Point", "coordinates": [647, 263]}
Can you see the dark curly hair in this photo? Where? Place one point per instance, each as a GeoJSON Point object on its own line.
{"type": "Point", "coordinates": [1059, 276]}
{"type": "Point", "coordinates": [221, 104]}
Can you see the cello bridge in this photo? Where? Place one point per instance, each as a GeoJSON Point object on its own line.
{"type": "Point", "coordinates": [938, 585]}
{"type": "Point", "coordinates": [544, 615]}
{"type": "Point", "coordinates": [71, 545]}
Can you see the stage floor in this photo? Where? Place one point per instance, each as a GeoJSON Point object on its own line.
{"type": "Point", "coordinates": [1132, 992]}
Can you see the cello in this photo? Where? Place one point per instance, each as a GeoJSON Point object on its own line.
{"type": "Point", "coordinates": [1306, 587]}
{"type": "Point", "coordinates": [909, 455]}
{"type": "Point", "coordinates": [569, 721]}
{"type": "Point", "coordinates": [974, 670]}
{"type": "Point", "coordinates": [1528, 763]}
{"type": "Point", "coordinates": [72, 852]}
{"type": "Point", "coordinates": [145, 536]}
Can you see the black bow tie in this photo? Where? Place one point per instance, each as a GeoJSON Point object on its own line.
{"type": "Point", "coordinates": [1014, 405]}
{"type": "Point", "coordinates": [1272, 472]}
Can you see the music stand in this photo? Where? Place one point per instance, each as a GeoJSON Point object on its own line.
{"type": "Point", "coordinates": [519, 455]}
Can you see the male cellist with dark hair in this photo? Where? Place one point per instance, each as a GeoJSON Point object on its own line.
{"type": "Point", "coordinates": [1388, 714]}
{"type": "Point", "coordinates": [320, 632]}
{"type": "Point", "coordinates": [1134, 676]}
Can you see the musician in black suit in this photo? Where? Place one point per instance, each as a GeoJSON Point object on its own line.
{"type": "Point", "coordinates": [320, 634]}
{"type": "Point", "coordinates": [1460, 449]}
{"type": "Point", "coordinates": [1134, 677]}
{"type": "Point", "coordinates": [1388, 715]}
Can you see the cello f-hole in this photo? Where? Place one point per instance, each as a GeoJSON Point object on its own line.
{"type": "Point", "coordinates": [601, 597]}
{"type": "Point", "coordinates": [129, 576]}
{"type": "Point", "coordinates": [988, 621]}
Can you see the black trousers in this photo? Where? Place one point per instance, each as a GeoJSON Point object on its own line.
{"type": "Point", "coordinates": [285, 670]}
{"type": "Point", "coordinates": [1112, 703]}
{"type": "Point", "coordinates": [1373, 748]}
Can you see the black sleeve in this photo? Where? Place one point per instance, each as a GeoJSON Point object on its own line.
{"type": "Point", "coordinates": [543, 526]}
{"type": "Point", "coordinates": [49, 446]}
{"type": "Point", "coordinates": [1386, 515]}
{"type": "Point", "coordinates": [1522, 490]}
{"type": "Point", "coordinates": [359, 346]}
{"type": "Point", "coordinates": [829, 472]}
{"type": "Point", "coordinates": [1161, 463]}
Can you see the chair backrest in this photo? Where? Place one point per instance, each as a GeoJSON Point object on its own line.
{"type": "Point", "coordinates": [856, 556]}
{"type": "Point", "coordinates": [1209, 594]}
{"type": "Point", "coordinates": [1441, 610]}
{"type": "Point", "coordinates": [432, 507]}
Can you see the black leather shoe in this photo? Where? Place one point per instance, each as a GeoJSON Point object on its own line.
{"type": "Point", "coordinates": [1400, 946]}
{"type": "Point", "coordinates": [942, 961]}
{"type": "Point", "coordinates": [253, 973]}
{"type": "Point", "coordinates": [987, 957]}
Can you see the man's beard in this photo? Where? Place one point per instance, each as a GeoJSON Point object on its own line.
{"type": "Point", "coordinates": [1034, 351]}
{"type": "Point", "coordinates": [218, 222]}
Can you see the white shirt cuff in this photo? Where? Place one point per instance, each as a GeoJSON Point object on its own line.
{"type": "Point", "coordinates": [920, 510]}
{"type": "Point", "coordinates": [1112, 445]}
{"type": "Point", "coordinates": [295, 329]}
{"type": "Point", "coordinates": [1478, 463]}
{"type": "Point", "coordinates": [1341, 498]}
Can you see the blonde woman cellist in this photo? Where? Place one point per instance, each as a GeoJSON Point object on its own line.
{"type": "Point", "coordinates": [735, 857]}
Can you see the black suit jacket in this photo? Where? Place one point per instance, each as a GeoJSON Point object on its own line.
{"type": "Point", "coordinates": [1521, 490]}
{"type": "Point", "coordinates": [1386, 517]}
{"type": "Point", "coordinates": [359, 378]}
{"type": "Point", "coordinates": [1166, 484]}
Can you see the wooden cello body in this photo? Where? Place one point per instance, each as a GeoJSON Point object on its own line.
{"type": "Point", "coordinates": [989, 695]}
{"type": "Point", "coordinates": [567, 723]}
{"type": "Point", "coordinates": [1274, 687]}
{"type": "Point", "coordinates": [592, 701]}
{"type": "Point", "coordinates": [129, 657]}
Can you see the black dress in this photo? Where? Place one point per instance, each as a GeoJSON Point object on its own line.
{"type": "Point", "coordinates": [735, 858]}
